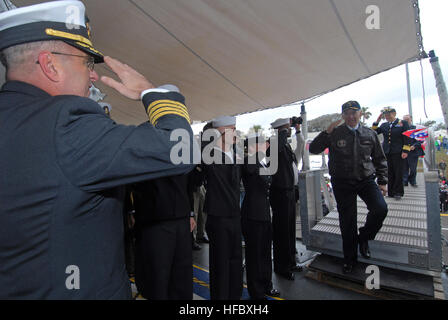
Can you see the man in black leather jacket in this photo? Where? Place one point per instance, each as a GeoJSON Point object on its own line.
{"type": "Point", "coordinates": [356, 159]}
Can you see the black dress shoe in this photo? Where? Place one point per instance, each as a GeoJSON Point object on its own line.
{"type": "Point", "coordinates": [414, 185]}
{"type": "Point", "coordinates": [397, 197]}
{"type": "Point", "coordinates": [364, 249]}
{"type": "Point", "coordinates": [287, 275]}
{"type": "Point", "coordinates": [196, 247]}
{"type": "Point", "coordinates": [203, 240]}
{"type": "Point", "coordinates": [347, 268]}
{"type": "Point", "coordinates": [273, 293]}
{"type": "Point", "coordinates": [296, 269]}
{"type": "Point", "coordinates": [405, 184]}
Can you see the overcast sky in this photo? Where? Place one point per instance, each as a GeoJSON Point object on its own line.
{"type": "Point", "coordinates": [385, 89]}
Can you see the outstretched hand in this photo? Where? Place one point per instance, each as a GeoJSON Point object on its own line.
{"type": "Point", "coordinates": [132, 83]}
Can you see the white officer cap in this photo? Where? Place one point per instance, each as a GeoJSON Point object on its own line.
{"type": "Point", "coordinates": [223, 121]}
{"type": "Point", "coordinates": [57, 20]}
{"type": "Point", "coordinates": [280, 122]}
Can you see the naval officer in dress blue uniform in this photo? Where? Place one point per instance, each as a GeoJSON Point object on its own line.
{"type": "Point", "coordinates": [63, 162]}
{"type": "Point", "coordinates": [222, 204]}
{"type": "Point", "coordinates": [396, 147]}
{"type": "Point", "coordinates": [256, 219]}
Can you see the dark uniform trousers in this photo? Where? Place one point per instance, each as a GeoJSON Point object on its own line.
{"type": "Point", "coordinates": [164, 262]}
{"type": "Point", "coordinates": [257, 228]}
{"type": "Point", "coordinates": [283, 227]}
{"type": "Point", "coordinates": [258, 240]}
{"type": "Point", "coordinates": [410, 169]}
{"type": "Point", "coordinates": [226, 271]}
{"type": "Point", "coordinates": [346, 192]}
{"type": "Point", "coordinates": [395, 167]}
{"type": "Point", "coordinates": [411, 162]}
{"type": "Point", "coordinates": [164, 266]}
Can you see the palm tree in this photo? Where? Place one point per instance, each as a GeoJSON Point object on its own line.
{"type": "Point", "coordinates": [365, 114]}
{"type": "Point", "coordinates": [256, 128]}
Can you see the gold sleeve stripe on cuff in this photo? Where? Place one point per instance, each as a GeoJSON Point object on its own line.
{"type": "Point", "coordinates": [165, 110]}
{"type": "Point", "coordinates": [168, 102]}
{"type": "Point", "coordinates": [375, 127]}
{"type": "Point", "coordinates": [154, 121]}
{"type": "Point", "coordinates": [407, 148]}
{"type": "Point", "coordinates": [157, 109]}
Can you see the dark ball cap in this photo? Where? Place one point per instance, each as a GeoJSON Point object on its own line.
{"type": "Point", "coordinates": [351, 105]}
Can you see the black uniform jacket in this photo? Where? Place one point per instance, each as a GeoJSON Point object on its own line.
{"type": "Point", "coordinates": [256, 200]}
{"type": "Point", "coordinates": [394, 140]}
{"type": "Point", "coordinates": [222, 198]}
{"type": "Point", "coordinates": [284, 177]}
{"type": "Point", "coordinates": [163, 199]}
{"type": "Point", "coordinates": [352, 158]}
{"type": "Point", "coordinates": [63, 163]}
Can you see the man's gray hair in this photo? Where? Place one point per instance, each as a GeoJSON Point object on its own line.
{"type": "Point", "coordinates": [22, 54]}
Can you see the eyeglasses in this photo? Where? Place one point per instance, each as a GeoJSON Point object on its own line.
{"type": "Point", "coordinates": [90, 61]}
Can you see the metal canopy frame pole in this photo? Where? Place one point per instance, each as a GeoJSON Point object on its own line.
{"type": "Point", "coordinates": [306, 153]}
{"type": "Point", "coordinates": [408, 81]}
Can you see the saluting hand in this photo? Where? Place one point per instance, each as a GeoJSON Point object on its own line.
{"type": "Point", "coordinates": [132, 83]}
{"type": "Point", "coordinates": [334, 125]}
{"type": "Point", "coordinates": [380, 117]}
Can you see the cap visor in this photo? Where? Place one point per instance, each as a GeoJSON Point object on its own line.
{"type": "Point", "coordinates": [98, 56]}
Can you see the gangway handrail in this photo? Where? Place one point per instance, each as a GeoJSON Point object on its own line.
{"type": "Point", "coordinates": [433, 225]}
{"type": "Point", "coordinates": [429, 162]}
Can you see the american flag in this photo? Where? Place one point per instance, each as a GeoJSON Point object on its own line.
{"type": "Point", "coordinates": [419, 134]}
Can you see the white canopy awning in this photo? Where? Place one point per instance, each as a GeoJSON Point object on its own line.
{"type": "Point", "coordinates": [237, 56]}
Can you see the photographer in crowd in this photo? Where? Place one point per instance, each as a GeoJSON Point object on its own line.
{"type": "Point", "coordinates": [283, 202]}
{"type": "Point", "coordinates": [296, 123]}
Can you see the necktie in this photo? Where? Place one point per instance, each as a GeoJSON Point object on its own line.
{"type": "Point", "coordinates": [355, 153]}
